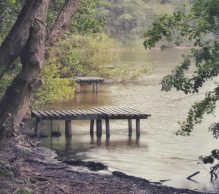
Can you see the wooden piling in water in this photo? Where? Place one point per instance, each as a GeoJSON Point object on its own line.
{"type": "Point", "coordinates": [99, 127]}
{"type": "Point", "coordinates": [93, 87]}
{"type": "Point", "coordinates": [137, 127]}
{"type": "Point", "coordinates": [68, 129]}
{"type": "Point", "coordinates": [92, 127]}
{"type": "Point", "coordinates": [130, 127]}
{"type": "Point", "coordinates": [96, 87]}
{"type": "Point", "coordinates": [107, 127]}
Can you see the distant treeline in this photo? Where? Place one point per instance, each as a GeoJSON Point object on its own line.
{"type": "Point", "coordinates": [126, 20]}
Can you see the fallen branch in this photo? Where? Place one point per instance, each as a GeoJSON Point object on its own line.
{"type": "Point", "coordinates": [189, 177]}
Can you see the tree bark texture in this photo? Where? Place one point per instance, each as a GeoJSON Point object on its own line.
{"type": "Point", "coordinates": [18, 96]}
{"type": "Point", "coordinates": [27, 39]}
{"type": "Point", "coordinates": [18, 36]}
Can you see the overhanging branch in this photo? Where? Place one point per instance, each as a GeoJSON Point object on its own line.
{"type": "Point", "coordinates": [62, 21]}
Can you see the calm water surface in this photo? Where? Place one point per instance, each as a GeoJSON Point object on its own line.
{"type": "Point", "coordinates": [159, 154]}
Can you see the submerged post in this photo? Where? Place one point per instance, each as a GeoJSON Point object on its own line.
{"type": "Point", "coordinates": [92, 127]}
{"type": "Point", "coordinates": [68, 129]}
{"type": "Point", "coordinates": [107, 127]}
{"type": "Point", "coordinates": [137, 127]}
{"type": "Point", "coordinates": [130, 127]}
{"type": "Point", "coordinates": [99, 127]}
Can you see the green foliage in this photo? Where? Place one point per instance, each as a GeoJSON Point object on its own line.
{"type": "Point", "coordinates": [86, 20]}
{"type": "Point", "coordinates": [54, 88]}
{"type": "Point", "coordinates": [80, 55]}
{"type": "Point", "coordinates": [200, 26]}
{"type": "Point", "coordinates": [8, 77]}
{"type": "Point", "coordinates": [9, 10]}
{"type": "Point", "coordinates": [125, 20]}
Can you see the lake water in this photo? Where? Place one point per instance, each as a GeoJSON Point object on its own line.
{"type": "Point", "coordinates": [159, 154]}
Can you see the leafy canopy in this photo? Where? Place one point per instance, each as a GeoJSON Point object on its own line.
{"type": "Point", "coordinates": [199, 27]}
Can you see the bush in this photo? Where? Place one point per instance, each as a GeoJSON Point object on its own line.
{"type": "Point", "coordinates": [84, 55]}
{"type": "Point", "coordinates": [54, 88]}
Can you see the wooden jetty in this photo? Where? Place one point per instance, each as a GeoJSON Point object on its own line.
{"type": "Point", "coordinates": [88, 80]}
{"type": "Point", "coordinates": [95, 114]}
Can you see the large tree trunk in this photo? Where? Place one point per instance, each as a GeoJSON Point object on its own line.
{"type": "Point", "coordinates": [30, 44]}
{"type": "Point", "coordinates": [18, 96]}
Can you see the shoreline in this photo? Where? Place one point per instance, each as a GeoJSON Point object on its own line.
{"type": "Point", "coordinates": [24, 166]}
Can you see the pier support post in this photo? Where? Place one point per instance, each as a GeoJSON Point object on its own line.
{"type": "Point", "coordinates": [96, 87]}
{"type": "Point", "coordinates": [107, 127]}
{"type": "Point", "coordinates": [37, 127]}
{"type": "Point", "coordinates": [78, 88]}
{"type": "Point", "coordinates": [92, 127]}
{"type": "Point", "coordinates": [93, 87]}
{"type": "Point", "coordinates": [68, 129]}
{"type": "Point", "coordinates": [99, 127]}
{"type": "Point", "coordinates": [137, 127]}
{"type": "Point", "coordinates": [130, 127]}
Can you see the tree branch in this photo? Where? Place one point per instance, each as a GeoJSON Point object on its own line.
{"type": "Point", "coordinates": [62, 21]}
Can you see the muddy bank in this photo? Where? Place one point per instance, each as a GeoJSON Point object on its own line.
{"type": "Point", "coordinates": [26, 168]}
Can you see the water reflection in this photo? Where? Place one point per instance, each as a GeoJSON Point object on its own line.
{"type": "Point", "coordinates": [68, 143]}
{"type": "Point", "coordinates": [80, 97]}
{"type": "Point", "coordinates": [100, 141]}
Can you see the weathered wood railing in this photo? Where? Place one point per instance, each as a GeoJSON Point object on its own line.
{"type": "Point", "coordinates": [97, 114]}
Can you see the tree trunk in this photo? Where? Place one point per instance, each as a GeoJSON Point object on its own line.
{"type": "Point", "coordinates": [62, 21]}
{"type": "Point", "coordinates": [27, 39]}
{"type": "Point", "coordinates": [18, 36]}
{"type": "Point", "coordinates": [19, 95]}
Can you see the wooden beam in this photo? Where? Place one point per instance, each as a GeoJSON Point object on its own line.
{"type": "Point", "coordinates": [93, 87]}
{"type": "Point", "coordinates": [99, 127]}
{"type": "Point", "coordinates": [107, 127]}
{"type": "Point", "coordinates": [68, 129]}
{"type": "Point", "coordinates": [96, 87]}
{"type": "Point", "coordinates": [130, 127]}
{"type": "Point", "coordinates": [137, 127]}
{"type": "Point", "coordinates": [92, 127]}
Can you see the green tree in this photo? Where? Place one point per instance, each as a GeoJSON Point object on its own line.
{"type": "Point", "coordinates": [124, 18]}
{"type": "Point", "coordinates": [28, 40]}
{"type": "Point", "coordinates": [200, 27]}
{"type": "Point", "coordinates": [84, 22]}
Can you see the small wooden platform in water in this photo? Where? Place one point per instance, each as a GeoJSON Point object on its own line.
{"type": "Point", "coordinates": [88, 80]}
{"type": "Point", "coordinates": [97, 114]}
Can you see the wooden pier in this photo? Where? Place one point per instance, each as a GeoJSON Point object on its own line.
{"type": "Point", "coordinates": [88, 80]}
{"type": "Point", "coordinates": [95, 114]}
